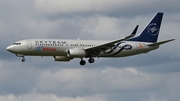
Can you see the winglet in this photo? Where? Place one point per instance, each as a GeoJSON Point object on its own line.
{"type": "Point", "coordinates": [133, 33]}
{"type": "Point", "coordinates": [135, 30]}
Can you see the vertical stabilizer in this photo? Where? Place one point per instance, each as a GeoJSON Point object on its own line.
{"type": "Point", "coordinates": [151, 31]}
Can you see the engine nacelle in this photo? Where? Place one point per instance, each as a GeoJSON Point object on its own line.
{"type": "Point", "coordinates": [76, 53]}
{"type": "Point", "coordinates": [62, 58]}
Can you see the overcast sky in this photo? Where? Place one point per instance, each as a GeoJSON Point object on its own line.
{"type": "Point", "coordinates": [147, 77]}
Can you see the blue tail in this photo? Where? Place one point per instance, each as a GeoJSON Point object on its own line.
{"type": "Point", "coordinates": [151, 32]}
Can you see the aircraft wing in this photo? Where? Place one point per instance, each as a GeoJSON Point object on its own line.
{"type": "Point", "coordinates": [102, 47]}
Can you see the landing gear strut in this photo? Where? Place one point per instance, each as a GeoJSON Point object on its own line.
{"type": "Point", "coordinates": [82, 62]}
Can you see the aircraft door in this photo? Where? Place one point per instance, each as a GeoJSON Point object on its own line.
{"type": "Point", "coordinates": [29, 44]}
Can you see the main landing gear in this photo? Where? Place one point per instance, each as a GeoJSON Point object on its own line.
{"type": "Point", "coordinates": [91, 60]}
{"type": "Point", "coordinates": [83, 62]}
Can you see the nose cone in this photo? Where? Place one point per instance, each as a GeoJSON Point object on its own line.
{"type": "Point", "coordinates": [10, 48]}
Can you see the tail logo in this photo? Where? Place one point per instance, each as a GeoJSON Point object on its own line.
{"type": "Point", "coordinates": [152, 29]}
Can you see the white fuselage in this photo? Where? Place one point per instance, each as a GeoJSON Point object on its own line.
{"type": "Point", "coordinates": [59, 47]}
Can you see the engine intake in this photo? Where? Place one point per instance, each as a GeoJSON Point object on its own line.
{"type": "Point", "coordinates": [76, 53]}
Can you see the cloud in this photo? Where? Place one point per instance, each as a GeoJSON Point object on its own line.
{"type": "Point", "coordinates": [16, 78]}
{"type": "Point", "coordinates": [98, 25]}
{"type": "Point", "coordinates": [50, 97]}
{"type": "Point", "coordinates": [113, 7]}
{"type": "Point", "coordinates": [89, 81]}
{"type": "Point", "coordinates": [133, 71]}
{"type": "Point", "coordinates": [88, 84]}
{"type": "Point", "coordinates": [67, 6]}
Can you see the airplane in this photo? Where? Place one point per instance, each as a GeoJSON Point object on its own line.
{"type": "Point", "coordinates": [64, 50]}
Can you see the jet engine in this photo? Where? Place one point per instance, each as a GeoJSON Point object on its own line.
{"type": "Point", "coordinates": [75, 53]}
{"type": "Point", "coordinates": [61, 58]}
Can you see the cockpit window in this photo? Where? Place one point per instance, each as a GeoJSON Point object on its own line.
{"type": "Point", "coordinates": [17, 43]}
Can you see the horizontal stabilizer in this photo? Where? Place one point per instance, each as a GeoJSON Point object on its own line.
{"type": "Point", "coordinates": [159, 43]}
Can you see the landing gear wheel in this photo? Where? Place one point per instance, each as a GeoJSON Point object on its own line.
{"type": "Point", "coordinates": [23, 60]}
{"type": "Point", "coordinates": [82, 62]}
{"type": "Point", "coordinates": [91, 60]}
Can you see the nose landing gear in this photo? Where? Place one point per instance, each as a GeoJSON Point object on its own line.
{"type": "Point", "coordinates": [23, 60]}
{"type": "Point", "coordinates": [21, 55]}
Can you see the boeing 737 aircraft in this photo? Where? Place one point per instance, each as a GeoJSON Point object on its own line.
{"type": "Point", "coordinates": [65, 50]}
